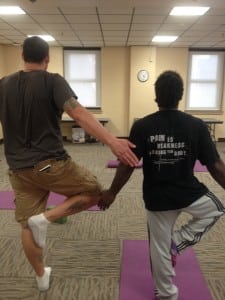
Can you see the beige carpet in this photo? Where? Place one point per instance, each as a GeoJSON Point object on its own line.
{"type": "Point", "coordinates": [85, 253]}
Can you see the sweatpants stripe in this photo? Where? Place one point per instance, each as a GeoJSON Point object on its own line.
{"type": "Point", "coordinates": [197, 237]}
{"type": "Point", "coordinates": [216, 201]}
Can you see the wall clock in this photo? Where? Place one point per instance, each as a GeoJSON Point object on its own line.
{"type": "Point", "coordinates": [143, 75]}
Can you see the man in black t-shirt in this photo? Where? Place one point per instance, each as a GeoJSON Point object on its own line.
{"type": "Point", "coordinates": [169, 142]}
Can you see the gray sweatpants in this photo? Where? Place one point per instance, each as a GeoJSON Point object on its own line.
{"type": "Point", "coordinates": [205, 212]}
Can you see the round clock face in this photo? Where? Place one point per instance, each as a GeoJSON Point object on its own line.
{"type": "Point", "coordinates": [143, 75]}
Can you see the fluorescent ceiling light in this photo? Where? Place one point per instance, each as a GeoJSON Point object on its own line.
{"type": "Point", "coordinates": [189, 10]}
{"type": "Point", "coordinates": [47, 38]}
{"type": "Point", "coordinates": [164, 38]}
{"type": "Point", "coordinates": [11, 10]}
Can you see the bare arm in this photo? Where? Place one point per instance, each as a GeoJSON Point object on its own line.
{"type": "Point", "coordinates": [121, 177]}
{"type": "Point", "coordinates": [217, 171]}
{"type": "Point", "coordinates": [120, 147]}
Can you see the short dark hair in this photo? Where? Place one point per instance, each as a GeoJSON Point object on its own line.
{"type": "Point", "coordinates": [35, 49]}
{"type": "Point", "coordinates": [169, 89]}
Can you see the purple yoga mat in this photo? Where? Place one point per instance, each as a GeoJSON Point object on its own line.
{"type": "Point", "coordinates": [136, 282]}
{"type": "Point", "coordinates": [199, 167]}
{"type": "Point", "coordinates": [114, 163]}
{"type": "Point", "coordinates": [7, 200]}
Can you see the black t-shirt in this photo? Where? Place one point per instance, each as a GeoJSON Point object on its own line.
{"type": "Point", "coordinates": [170, 142]}
{"type": "Point", "coordinates": [31, 106]}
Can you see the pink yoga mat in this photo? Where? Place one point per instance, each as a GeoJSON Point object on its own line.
{"type": "Point", "coordinates": [7, 200]}
{"type": "Point", "coordinates": [114, 163]}
{"type": "Point", "coordinates": [136, 282]}
{"type": "Point", "coordinates": [199, 167]}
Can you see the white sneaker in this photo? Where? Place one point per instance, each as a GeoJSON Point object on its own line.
{"type": "Point", "coordinates": [43, 281]}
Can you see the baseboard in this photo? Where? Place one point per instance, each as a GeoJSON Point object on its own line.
{"type": "Point", "coordinates": [221, 139]}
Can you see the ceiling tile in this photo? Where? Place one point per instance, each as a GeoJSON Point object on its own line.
{"type": "Point", "coordinates": [115, 26]}
{"type": "Point", "coordinates": [8, 32]}
{"type": "Point", "coordinates": [181, 20]}
{"type": "Point", "coordinates": [154, 11]}
{"type": "Point", "coordinates": [148, 19]}
{"type": "Point", "coordinates": [115, 33]}
{"type": "Point", "coordinates": [93, 44]}
{"type": "Point", "coordinates": [56, 26]}
{"type": "Point", "coordinates": [221, 44]}
{"type": "Point", "coordinates": [118, 19]}
{"type": "Point", "coordinates": [39, 9]}
{"type": "Point", "coordinates": [205, 27]}
{"type": "Point", "coordinates": [49, 19]}
{"type": "Point", "coordinates": [173, 26]}
{"type": "Point", "coordinates": [115, 19]}
{"type": "Point", "coordinates": [141, 33]}
{"type": "Point", "coordinates": [212, 20]}
{"type": "Point", "coordinates": [82, 19]}
{"type": "Point", "coordinates": [71, 43]}
{"type": "Point", "coordinates": [89, 34]}
{"type": "Point", "coordinates": [145, 26]}
{"type": "Point", "coordinates": [17, 19]}
{"type": "Point", "coordinates": [62, 33]}
{"type": "Point", "coordinates": [31, 31]}
{"type": "Point", "coordinates": [5, 25]}
{"type": "Point", "coordinates": [67, 10]}
{"type": "Point", "coordinates": [85, 27]}
{"type": "Point", "coordinates": [22, 26]}
{"type": "Point", "coordinates": [120, 10]}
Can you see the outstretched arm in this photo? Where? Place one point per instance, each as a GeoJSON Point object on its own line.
{"type": "Point", "coordinates": [120, 147]}
{"type": "Point", "coordinates": [121, 177]}
{"type": "Point", "coordinates": [217, 171]}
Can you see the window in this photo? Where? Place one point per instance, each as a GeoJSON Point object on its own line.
{"type": "Point", "coordinates": [82, 71]}
{"type": "Point", "coordinates": [205, 81]}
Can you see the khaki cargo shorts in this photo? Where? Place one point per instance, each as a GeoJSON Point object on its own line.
{"type": "Point", "coordinates": [32, 186]}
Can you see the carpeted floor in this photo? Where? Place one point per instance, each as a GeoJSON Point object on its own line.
{"type": "Point", "coordinates": [85, 253]}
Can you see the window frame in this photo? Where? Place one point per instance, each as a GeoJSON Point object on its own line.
{"type": "Point", "coordinates": [219, 81]}
{"type": "Point", "coordinates": [92, 50]}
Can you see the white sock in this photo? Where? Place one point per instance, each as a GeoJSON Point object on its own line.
{"type": "Point", "coordinates": [38, 225]}
{"type": "Point", "coordinates": [43, 281]}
